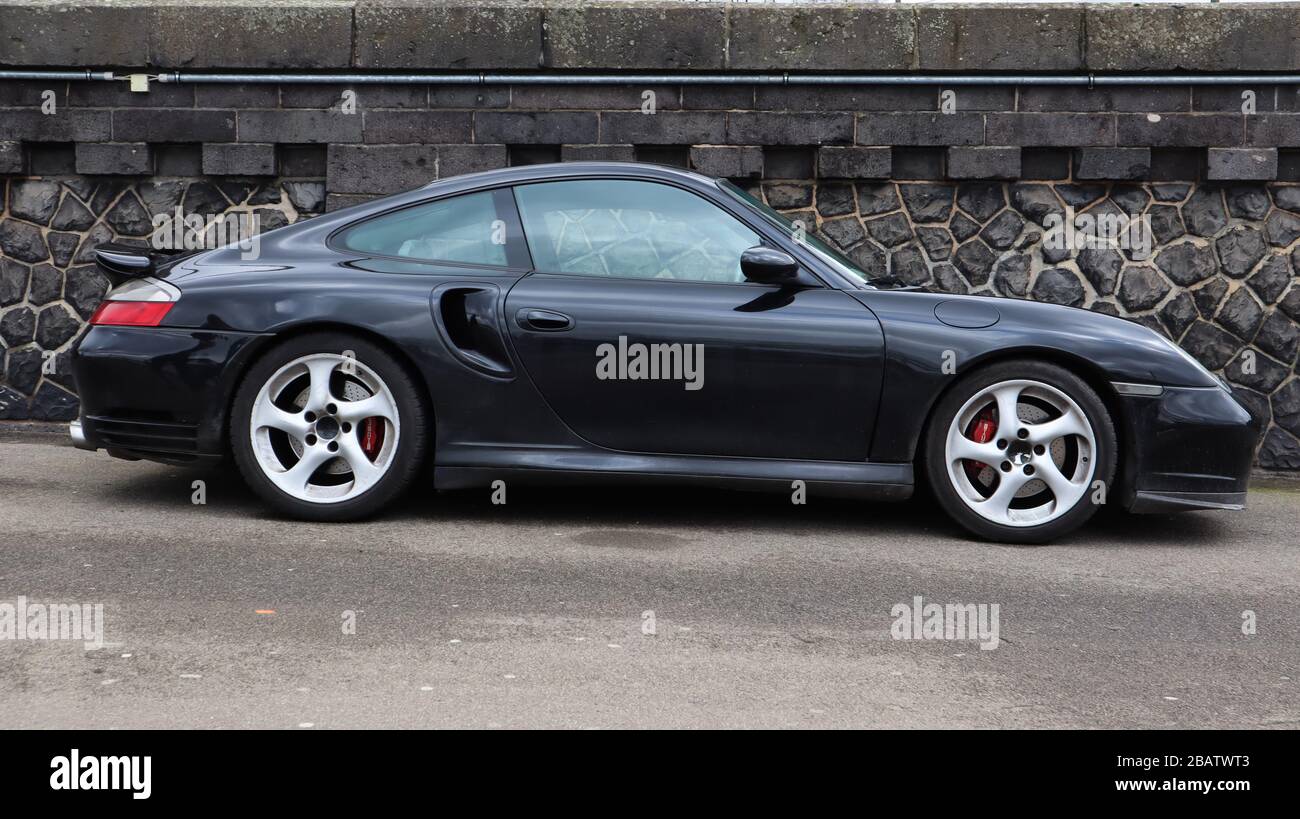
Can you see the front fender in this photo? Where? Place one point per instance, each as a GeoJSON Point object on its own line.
{"type": "Point", "coordinates": [924, 354]}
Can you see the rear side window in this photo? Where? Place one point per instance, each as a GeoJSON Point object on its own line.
{"type": "Point", "coordinates": [463, 229]}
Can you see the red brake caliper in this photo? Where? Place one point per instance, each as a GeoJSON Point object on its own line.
{"type": "Point", "coordinates": [372, 436]}
{"type": "Point", "coordinates": [981, 432]}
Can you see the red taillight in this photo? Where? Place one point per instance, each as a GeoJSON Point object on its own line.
{"type": "Point", "coordinates": [131, 313]}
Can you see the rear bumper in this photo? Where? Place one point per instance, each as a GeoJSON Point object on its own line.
{"type": "Point", "coordinates": [156, 393]}
{"type": "Point", "coordinates": [134, 440]}
{"type": "Point", "coordinates": [79, 436]}
{"type": "Point", "coordinates": [1188, 448]}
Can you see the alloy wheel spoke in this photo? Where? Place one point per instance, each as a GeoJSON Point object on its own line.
{"type": "Point", "coordinates": [294, 480]}
{"type": "Point", "coordinates": [320, 370]}
{"type": "Point", "coordinates": [961, 448]}
{"type": "Point", "coordinates": [268, 415]}
{"type": "Point", "coordinates": [998, 505]}
{"type": "Point", "coordinates": [1067, 424]}
{"type": "Point", "coordinates": [1066, 491]}
{"type": "Point", "coordinates": [379, 405]}
{"type": "Point", "coordinates": [1008, 399]}
{"type": "Point", "coordinates": [364, 472]}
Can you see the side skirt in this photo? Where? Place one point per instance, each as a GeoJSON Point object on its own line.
{"type": "Point", "coordinates": [871, 481]}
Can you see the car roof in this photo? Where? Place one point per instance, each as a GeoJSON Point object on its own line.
{"type": "Point", "coordinates": [556, 170]}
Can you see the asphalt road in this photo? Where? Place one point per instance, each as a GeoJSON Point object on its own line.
{"type": "Point", "coordinates": [530, 614]}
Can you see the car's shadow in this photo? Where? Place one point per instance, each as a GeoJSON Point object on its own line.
{"type": "Point", "coordinates": [158, 488]}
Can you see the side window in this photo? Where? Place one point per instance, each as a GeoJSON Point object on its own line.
{"type": "Point", "coordinates": [464, 229]}
{"type": "Point", "coordinates": [631, 229]}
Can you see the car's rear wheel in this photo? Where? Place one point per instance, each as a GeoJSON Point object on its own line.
{"type": "Point", "coordinates": [328, 427]}
{"type": "Point", "coordinates": [1020, 452]}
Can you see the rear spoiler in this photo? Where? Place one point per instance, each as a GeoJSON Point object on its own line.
{"type": "Point", "coordinates": [122, 262]}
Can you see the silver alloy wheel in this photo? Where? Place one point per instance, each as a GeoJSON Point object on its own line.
{"type": "Point", "coordinates": [1038, 462]}
{"type": "Point", "coordinates": [306, 424]}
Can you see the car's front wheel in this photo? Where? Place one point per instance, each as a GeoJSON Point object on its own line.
{"type": "Point", "coordinates": [1020, 452]}
{"type": "Point", "coordinates": [328, 427]}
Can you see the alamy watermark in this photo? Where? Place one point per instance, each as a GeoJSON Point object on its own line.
{"type": "Point", "coordinates": [1099, 231]}
{"type": "Point", "coordinates": [952, 621]}
{"type": "Point", "coordinates": [24, 620]}
{"type": "Point", "coordinates": [75, 772]}
{"type": "Point", "coordinates": [654, 362]}
{"type": "Point", "coordinates": [194, 231]}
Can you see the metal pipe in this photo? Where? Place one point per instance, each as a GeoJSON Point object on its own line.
{"type": "Point", "coordinates": [57, 76]}
{"type": "Point", "coordinates": [555, 78]}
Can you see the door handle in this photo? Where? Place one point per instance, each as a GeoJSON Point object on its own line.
{"type": "Point", "coordinates": [546, 321]}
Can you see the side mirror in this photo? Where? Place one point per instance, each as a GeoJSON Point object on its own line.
{"type": "Point", "coordinates": [769, 266]}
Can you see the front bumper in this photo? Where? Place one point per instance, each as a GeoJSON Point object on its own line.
{"type": "Point", "coordinates": [1148, 502]}
{"type": "Point", "coordinates": [157, 393]}
{"type": "Point", "coordinates": [1187, 448]}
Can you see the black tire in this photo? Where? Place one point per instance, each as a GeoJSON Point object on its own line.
{"type": "Point", "coordinates": [412, 445]}
{"type": "Point", "coordinates": [1105, 456]}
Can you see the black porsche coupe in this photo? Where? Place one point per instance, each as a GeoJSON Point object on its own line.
{"type": "Point", "coordinates": [610, 321]}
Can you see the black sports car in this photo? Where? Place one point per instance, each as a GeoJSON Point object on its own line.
{"type": "Point", "coordinates": [602, 321]}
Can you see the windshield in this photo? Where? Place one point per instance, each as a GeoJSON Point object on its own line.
{"type": "Point", "coordinates": [799, 234]}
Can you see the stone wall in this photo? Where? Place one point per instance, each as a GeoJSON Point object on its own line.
{"type": "Point", "coordinates": [949, 185]}
{"type": "Point", "coordinates": [49, 285]}
{"type": "Point", "coordinates": [1220, 279]}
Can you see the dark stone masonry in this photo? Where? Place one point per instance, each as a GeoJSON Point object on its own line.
{"type": "Point", "coordinates": [955, 187]}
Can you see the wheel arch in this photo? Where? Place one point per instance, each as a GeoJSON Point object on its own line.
{"type": "Point", "coordinates": [1092, 375]}
{"type": "Point", "coordinates": [268, 343]}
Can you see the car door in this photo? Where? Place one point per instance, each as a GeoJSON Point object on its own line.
{"type": "Point", "coordinates": [642, 334]}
